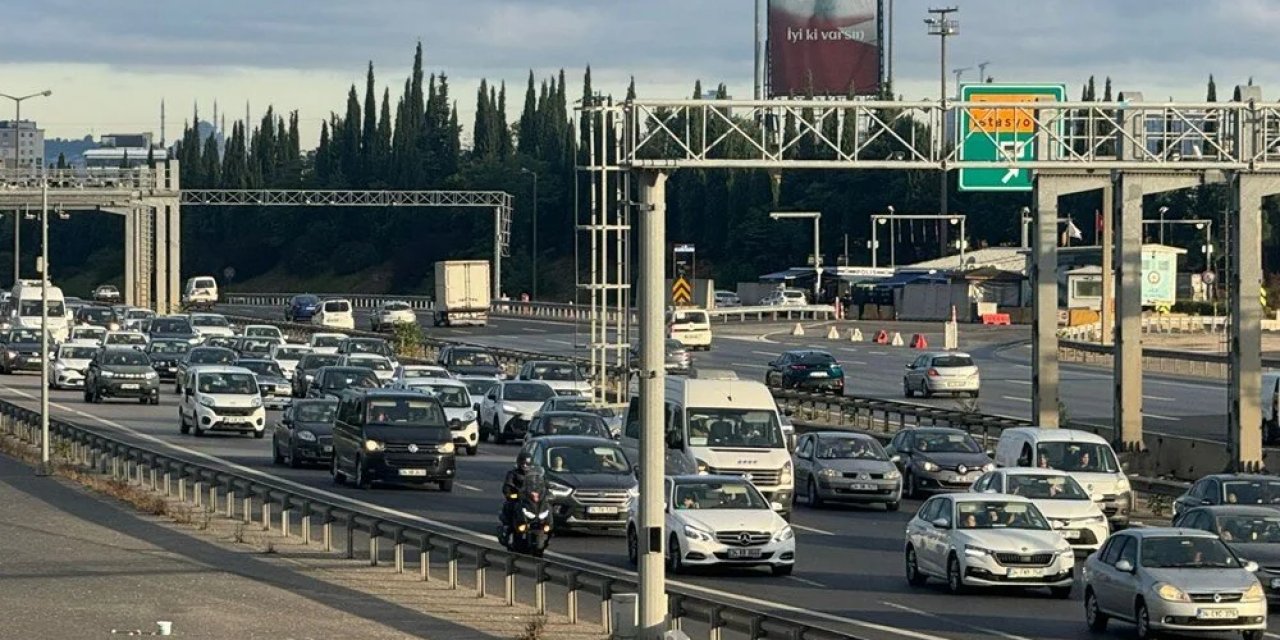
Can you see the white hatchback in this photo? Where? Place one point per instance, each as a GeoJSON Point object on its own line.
{"type": "Point", "coordinates": [335, 313]}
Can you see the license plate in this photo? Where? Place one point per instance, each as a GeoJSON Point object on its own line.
{"type": "Point", "coordinates": [1216, 614]}
{"type": "Point", "coordinates": [1025, 573]}
{"type": "Point", "coordinates": [413, 472]}
{"type": "Point", "coordinates": [130, 386]}
{"type": "Point", "coordinates": [1071, 534]}
{"type": "Point", "coordinates": [233, 420]}
{"type": "Point", "coordinates": [744, 553]}
{"type": "Point", "coordinates": [328, 449]}
{"type": "Point", "coordinates": [818, 374]}
{"type": "Point", "coordinates": [173, 369]}
{"type": "Point", "coordinates": [602, 510]}
{"type": "Point", "coordinates": [863, 487]}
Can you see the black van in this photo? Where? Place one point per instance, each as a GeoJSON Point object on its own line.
{"type": "Point", "coordinates": [392, 436]}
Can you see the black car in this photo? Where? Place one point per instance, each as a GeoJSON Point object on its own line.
{"type": "Point", "coordinates": [1230, 488]}
{"type": "Point", "coordinates": [392, 436]}
{"type": "Point", "coordinates": [304, 433]}
{"type": "Point", "coordinates": [330, 382]}
{"type": "Point", "coordinates": [226, 342]}
{"type": "Point", "coordinates": [590, 480]}
{"type": "Point", "coordinates": [21, 350]}
{"type": "Point", "coordinates": [469, 361]}
{"type": "Point", "coordinates": [305, 372]}
{"type": "Point", "coordinates": [376, 346]}
{"type": "Point", "coordinates": [1252, 532]}
{"type": "Point", "coordinates": [165, 354]}
{"type": "Point", "coordinates": [172, 327]}
{"type": "Point", "coordinates": [806, 369]}
{"type": "Point", "coordinates": [254, 347]}
{"type": "Point", "coordinates": [937, 459]}
{"type": "Point", "coordinates": [99, 317]}
{"type": "Point", "coordinates": [301, 308]}
{"type": "Point", "coordinates": [121, 372]}
{"type": "Point", "coordinates": [202, 355]}
{"type": "Point", "coordinates": [567, 423]}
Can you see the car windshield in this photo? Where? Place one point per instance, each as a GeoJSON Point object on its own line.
{"type": "Point", "coordinates": [450, 396]}
{"type": "Point", "coordinates": [479, 387]}
{"type": "Point", "coordinates": [397, 306]}
{"type": "Point", "coordinates": [88, 333]}
{"type": "Point", "coordinates": [76, 352]}
{"type": "Point", "coordinates": [24, 336]}
{"type": "Point", "coordinates": [337, 306]}
{"type": "Point", "coordinates": [243, 383]}
{"type": "Point", "coordinates": [136, 314]}
{"type": "Point", "coordinates": [364, 346]}
{"type": "Point", "coordinates": [463, 358]}
{"type": "Point", "coordinates": [262, 332]}
{"type": "Point", "coordinates": [674, 346]}
{"type": "Point", "coordinates": [315, 411]}
{"type": "Point", "coordinates": [689, 317]}
{"type": "Point", "coordinates": [816, 359]}
{"type": "Point", "coordinates": [424, 372]}
{"type": "Point", "coordinates": [209, 321]}
{"type": "Point", "coordinates": [377, 364]}
{"type": "Point", "coordinates": [1089, 457]}
{"type": "Point", "coordinates": [555, 372]}
{"type": "Point", "coordinates": [126, 338]}
{"type": "Point", "coordinates": [92, 314]}
{"type": "Point", "coordinates": [305, 300]}
{"type": "Point", "coordinates": [953, 361]}
{"type": "Point", "coordinates": [405, 412]}
{"type": "Point", "coordinates": [326, 341]}
{"type": "Point", "coordinates": [587, 458]}
{"type": "Point", "coordinates": [849, 448]}
{"type": "Point", "coordinates": [945, 442]}
{"type": "Point", "coordinates": [720, 427]}
{"type": "Point", "coordinates": [718, 495]}
{"type": "Point", "coordinates": [31, 308]}
{"type": "Point", "coordinates": [338, 381]}
{"type": "Point", "coordinates": [1186, 552]}
{"type": "Point", "coordinates": [1044, 487]}
{"type": "Point", "coordinates": [261, 367]}
{"type": "Point", "coordinates": [290, 353]}
{"type": "Point", "coordinates": [317, 360]}
{"type": "Point", "coordinates": [126, 358]}
{"type": "Point", "coordinates": [1251, 491]}
{"type": "Point", "coordinates": [204, 283]}
{"type": "Point", "coordinates": [212, 356]}
{"type": "Point", "coordinates": [998, 514]}
{"type": "Point", "coordinates": [527, 392]}
{"type": "Point", "coordinates": [562, 425]}
{"type": "Point", "coordinates": [168, 347]}
{"type": "Point", "coordinates": [170, 325]}
{"type": "Point", "coordinates": [1249, 529]}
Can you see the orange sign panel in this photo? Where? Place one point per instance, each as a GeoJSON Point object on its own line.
{"type": "Point", "coordinates": [1003, 119]}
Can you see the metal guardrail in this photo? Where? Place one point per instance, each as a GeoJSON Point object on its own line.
{"type": "Point", "coordinates": [277, 507]}
{"type": "Point", "coordinates": [1174, 361]}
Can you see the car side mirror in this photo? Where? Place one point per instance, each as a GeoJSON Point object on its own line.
{"type": "Point", "coordinates": [1124, 566]}
{"type": "Point", "coordinates": [776, 506]}
{"type": "Point", "coordinates": [1251, 566]}
{"type": "Point", "coordinates": [910, 366]}
{"type": "Point", "coordinates": [942, 523]}
{"type": "Point", "coordinates": [895, 458]}
{"type": "Point", "coordinates": [990, 453]}
{"type": "Point", "coordinates": [1205, 501]}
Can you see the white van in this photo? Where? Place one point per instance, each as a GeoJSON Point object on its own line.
{"type": "Point", "coordinates": [1271, 407]}
{"type": "Point", "coordinates": [690, 326]}
{"type": "Point", "coordinates": [1088, 457]}
{"type": "Point", "coordinates": [722, 427]}
{"type": "Point", "coordinates": [22, 310]}
{"type": "Point", "coordinates": [335, 313]}
{"type": "Point", "coordinates": [201, 292]}
{"type": "Point", "coordinates": [221, 398]}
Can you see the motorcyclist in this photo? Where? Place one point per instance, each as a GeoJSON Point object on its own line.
{"type": "Point", "coordinates": [513, 485]}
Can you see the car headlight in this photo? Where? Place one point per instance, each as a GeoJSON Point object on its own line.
{"type": "Point", "coordinates": [977, 552]}
{"type": "Point", "coordinates": [468, 416]}
{"type": "Point", "coordinates": [1122, 485]}
{"type": "Point", "coordinates": [107, 374]}
{"type": "Point", "coordinates": [1254, 593]}
{"type": "Point", "coordinates": [990, 466]}
{"type": "Point", "coordinates": [151, 375]}
{"type": "Point", "coordinates": [373, 446]}
{"type": "Point", "coordinates": [829, 473]}
{"type": "Point", "coordinates": [558, 490]}
{"type": "Point", "coordinates": [633, 492]}
{"type": "Point", "coordinates": [1171, 593]}
{"type": "Point", "coordinates": [193, 340]}
{"type": "Point", "coordinates": [928, 466]}
{"type": "Point", "coordinates": [59, 366]}
{"type": "Point", "coordinates": [309, 377]}
{"type": "Point", "coordinates": [786, 477]}
{"type": "Point", "coordinates": [306, 436]}
{"type": "Point", "coordinates": [256, 402]}
{"type": "Point", "coordinates": [445, 448]}
{"type": "Point", "coordinates": [784, 534]}
{"type": "Point", "coordinates": [208, 402]}
{"type": "Point", "coordinates": [694, 533]}
{"type": "Point", "coordinates": [510, 408]}
{"type": "Point", "coordinates": [11, 354]}
{"type": "Point", "coordinates": [892, 475]}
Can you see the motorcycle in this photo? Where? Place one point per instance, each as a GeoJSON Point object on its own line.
{"type": "Point", "coordinates": [529, 528]}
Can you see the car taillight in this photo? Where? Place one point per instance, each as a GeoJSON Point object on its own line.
{"type": "Point", "coordinates": [933, 373]}
{"type": "Point", "coordinates": [798, 367]}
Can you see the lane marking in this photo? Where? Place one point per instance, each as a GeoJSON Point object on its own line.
{"type": "Point", "coordinates": [878, 353]}
{"type": "Point", "coordinates": [1159, 417]}
{"type": "Point", "coordinates": [849, 349]}
{"type": "Point", "coordinates": [1022, 382]}
{"type": "Point", "coordinates": [952, 620]}
{"type": "Point", "coordinates": [563, 342]}
{"type": "Point", "coordinates": [468, 487]}
{"type": "Point", "coordinates": [1159, 398]}
{"type": "Point", "coordinates": [748, 364]}
{"type": "Point", "coordinates": [858, 362]}
{"type": "Point", "coordinates": [533, 330]}
{"type": "Point", "coordinates": [806, 581]}
{"type": "Point", "coordinates": [1016, 399]}
{"type": "Point", "coordinates": [764, 353]}
{"type": "Point", "coordinates": [811, 529]}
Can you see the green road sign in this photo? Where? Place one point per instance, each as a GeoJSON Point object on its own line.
{"type": "Point", "coordinates": [999, 134]}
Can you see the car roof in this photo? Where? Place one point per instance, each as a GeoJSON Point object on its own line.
{"type": "Point", "coordinates": [345, 369]}
{"type": "Point", "coordinates": [968, 496]}
{"type": "Point", "coordinates": [438, 382]}
{"type": "Point", "coordinates": [1046, 434]}
{"type": "Point", "coordinates": [1032, 471]}
{"type": "Point", "coordinates": [577, 414]}
{"type": "Point", "coordinates": [842, 434]}
{"type": "Point", "coordinates": [325, 400]}
{"type": "Point", "coordinates": [383, 392]}
{"type": "Point", "coordinates": [255, 360]}
{"type": "Point", "coordinates": [691, 478]}
{"type": "Point", "coordinates": [570, 440]}
{"type": "Point", "coordinates": [206, 347]}
{"type": "Point", "coordinates": [808, 352]}
{"type": "Point", "coordinates": [222, 369]}
{"type": "Point", "coordinates": [937, 354]}
{"type": "Point", "coordinates": [514, 382]}
{"type": "Point", "coordinates": [1238, 510]}
{"type": "Point", "coordinates": [1241, 476]}
{"type": "Point", "coordinates": [1165, 532]}
{"type": "Point", "coordinates": [937, 430]}
{"type": "Point", "coordinates": [365, 356]}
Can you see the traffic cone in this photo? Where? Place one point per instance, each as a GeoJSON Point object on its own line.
{"type": "Point", "coordinates": [918, 341]}
{"type": "Point", "coordinates": [798, 330]}
{"type": "Point", "coordinates": [897, 339]}
{"type": "Point", "coordinates": [833, 334]}
{"type": "Point", "coordinates": [855, 335]}
{"type": "Point", "coordinates": [882, 337]}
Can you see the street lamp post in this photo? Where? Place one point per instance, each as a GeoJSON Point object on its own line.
{"type": "Point", "coordinates": [534, 292]}
{"type": "Point", "coordinates": [954, 219]}
{"type": "Point", "coordinates": [44, 328]}
{"type": "Point", "coordinates": [942, 25]}
{"type": "Point", "coordinates": [817, 244]}
{"type": "Point", "coordinates": [1163, 210]}
{"type": "Point", "coordinates": [17, 118]}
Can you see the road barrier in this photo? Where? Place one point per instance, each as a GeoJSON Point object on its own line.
{"type": "Point", "coordinates": [1193, 363]}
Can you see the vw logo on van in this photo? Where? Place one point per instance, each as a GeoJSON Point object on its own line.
{"type": "Point", "coordinates": [413, 448]}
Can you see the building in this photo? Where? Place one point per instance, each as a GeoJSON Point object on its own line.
{"type": "Point", "coordinates": [21, 144]}
{"type": "Point", "coordinates": [124, 149]}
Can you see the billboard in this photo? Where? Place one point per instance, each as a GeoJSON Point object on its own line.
{"type": "Point", "coordinates": [832, 46]}
{"type": "Point", "coordinates": [1159, 277]}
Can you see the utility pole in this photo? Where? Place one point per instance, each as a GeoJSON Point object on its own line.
{"type": "Point", "coordinates": [17, 218]}
{"type": "Point", "coordinates": [45, 468]}
{"type": "Point", "coordinates": [534, 293]}
{"type": "Point", "coordinates": [942, 25]}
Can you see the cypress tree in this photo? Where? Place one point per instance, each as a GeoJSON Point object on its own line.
{"type": "Point", "coordinates": [348, 139]}
{"type": "Point", "coordinates": [382, 141]}
{"type": "Point", "coordinates": [503, 125]}
{"type": "Point", "coordinates": [528, 126]}
{"type": "Point", "coordinates": [1211, 93]}
{"type": "Point", "coordinates": [211, 170]}
{"type": "Point", "coordinates": [482, 147]}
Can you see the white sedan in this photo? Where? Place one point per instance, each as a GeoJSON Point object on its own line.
{"type": "Point", "coordinates": [390, 314]}
{"type": "Point", "coordinates": [406, 374]}
{"type": "Point", "coordinates": [1069, 508]}
{"type": "Point", "coordinates": [978, 539]}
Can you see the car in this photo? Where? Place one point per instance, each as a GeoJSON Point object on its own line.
{"type": "Point", "coordinates": [226, 342]}
{"type": "Point", "coordinates": [477, 385]}
{"type": "Point", "coordinates": [1232, 489]}
{"type": "Point", "coordinates": [330, 381]}
{"type": "Point", "coordinates": [106, 293]}
{"type": "Point", "coordinates": [276, 391]}
{"type": "Point", "coordinates": [1087, 456]}
{"type": "Point", "coordinates": [718, 521]}
{"type": "Point", "coordinates": [200, 292]}
{"type": "Point", "coordinates": [676, 357]}
{"type": "Point", "coordinates": [335, 313]}
{"type": "Point", "coordinates": [590, 480]}
{"type": "Point", "coordinates": [565, 378]}
{"type": "Point", "coordinates": [305, 372]}
{"type": "Point", "coordinates": [1251, 532]}
{"type": "Point", "coordinates": [211, 324]}
{"type": "Point", "coordinates": [165, 354]}
{"type": "Point", "coordinates": [806, 369]}
{"type": "Point", "coordinates": [1173, 580]}
{"type": "Point", "coordinates": [459, 409]}
{"type": "Point", "coordinates": [934, 459]}
{"type": "Point", "coordinates": [98, 317]}
{"type": "Point", "coordinates": [469, 361]}
{"type": "Point", "coordinates": [376, 346]}
{"type": "Point", "coordinates": [392, 436]}
{"type": "Point", "coordinates": [125, 339]}
{"type": "Point", "coordinates": [326, 342]}
{"type": "Point", "coordinates": [301, 308]}
{"type": "Point", "coordinates": [254, 347]}
{"type": "Point", "coordinates": [977, 539]}
{"type": "Point", "coordinates": [839, 466]}
{"type": "Point", "coordinates": [941, 372]}
{"type": "Point", "coordinates": [201, 356]}
{"type": "Point", "coordinates": [406, 375]}
{"type": "Point", "coordinates": [221, 398]}
{"type": "Point", "coordinates": [380, 365]}
{"type": "Point", "coordinates": [121, 372]}
{"type": "Point", "coordinates": [567, 423]}
{"type": "Point", "coordinates": [287, 356]}
{"type": "Point", "coordinates": [725, 299]}
{"type": "Point", "coordinates": [20, 350]}
{"type": "Point", "coordinates": [584, 405]}
{"type": "Point", "coordinates": [69, 364]}
{"type": "Point", "coordinates": [133, 318]}
{"type": "Point", "coordinates": [392, 314]}
{"type": "Point", "coordinates": [87, 335]}
{"type": "Point", "coordinates": [508, 407]}
{"type": "Point", "coordinates": [785, 298]}
{"type": "Point", "coordinates": [263, 331]}
{"type": "Point", "coordinates": [304, 433]}
{"type": "Point", "coordinates": [1059, 497]}
{"type": "Point", "coordinates": [176, 327]}
{"type": "Point", "coordinates": [691, 326]}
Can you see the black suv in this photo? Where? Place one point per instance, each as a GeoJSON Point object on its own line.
{"type": "Point", "coordinates": [392, 436]}
{"type": "Point", "coordinates": [469, 361]}
{"type": "Point", "coordinates": [121, 372]}
{"type": "Point", "coordinates": [306, 370]}
{"type": "Point", "coordinates": [165, 355]}
{"type": "Point", "coordinates": [20, 350]}
{"type": "Point", "coordinates": [330, 382]}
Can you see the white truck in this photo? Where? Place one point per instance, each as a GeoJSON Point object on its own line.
{"type": "Point", "coordinates": [462, 292]}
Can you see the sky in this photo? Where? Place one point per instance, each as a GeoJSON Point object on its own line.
{"type": "Point", "coordinates": [109, 64]}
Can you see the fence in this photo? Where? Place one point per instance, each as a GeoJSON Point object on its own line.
{"type": "Point", "coordinates": [1209, 365]}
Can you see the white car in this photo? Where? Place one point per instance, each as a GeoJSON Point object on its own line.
{"type": "Point", "coordinates": [211, 324]}
{"type": "Point", "coordinates": [263, 331]}
{"type": "Point", "coordinates": [66, 371]}
{"type": "Point", "coordinates": [87, 335]}
{"type": "Point", "coordinates": [508, 408]}
{"type": "Point", "coordinates": [407, 375]}
{"type": "Point", "coordinates": [458, 409]}
{"type": "Point", "coordinates": [221, 398]}
{"type": "Point", "coordinates": [335, 313]}
{"type": "Point", "coordinates": [381, 366]}
{"type": "Point", "coordinates": [326, 342]}
{"type": "Point", "coordinates": [390, 314]}
{"type": "Point", "coordinates": [719, 521]}
{"type": "Point", "coordinates": [135, 339]}
{"type": "Point", "coordinates": [726, 299]}
{"type": "Point", "coordinates": [1069, 508]}
{"type": "Point", "coordinates": [979, 539]}
{"type": "Point", "coordinates": [785, 298]}
{"type": "Point", "coordinates": [565, 378]}
{"type": "Point", "coordinates": [287, 356]}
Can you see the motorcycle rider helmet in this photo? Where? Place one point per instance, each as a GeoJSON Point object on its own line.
{"type": "Point", "coordinates": [524, 461]}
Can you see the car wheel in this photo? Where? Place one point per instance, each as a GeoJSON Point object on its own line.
{"type": "Point", "coordinates": [155, 400]}
{"type": "Point", "coordinates": [909, 486]}
{"type": "Point", "coordinates": [183, 427]}
{"type": "Point", "coordinates": [782, 569]}
{"type": "Point", "coordinates": [498, 436]}
{"type": "Point", "coordinates": [973, 394]}
{"type": "Point", "coordinates": [338, 477]}
{"type": "Point", "coordinates": [925, 390]}
{"type": "Point", "coordinates": [258, 435]}
{"type": "Point", "coordinates": [906, 389]}
{"type": "Point", "coordinates": [446, 486]}
{"type": "Point", "coordinates": [276, 458]}
{"type": "Point", "coordinates": [471, 450]}
{"type": "Point", "coordinates": [295, 460]}
{"type": "Point", "coordinates": [1142, 622]}
{"type": "Point", "coordinates": [1095, 617]}
{"type": "Point", "coordinates": [361, 481]}
{"type": "Point", "coordinates": [675, 559]}
{"type": "Point", "coordinates": [892, 506]}
{"type": "Point", "coordinates": [811, 494]}
{"type": "Point", "coordinates": [914, 577]}
{"type": "Point", "coordinates": [88, 397]}
{"type": "Point", "coordinates": [1253, 634]}
{"type": "Point", "coordinates": [633, 551]}
{"type": "Point", "coordinates": [144, 400]}
{"type": "Point", "coordinates": [195, 424]}
{"type": "Point", "coordinates": [955, 579]}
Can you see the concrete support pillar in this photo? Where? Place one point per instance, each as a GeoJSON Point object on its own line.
{"type": "Point", "coordinates": [1244, 381]}
{"type": "Point", "coordinates": [161, 270]}
{"type": "Point", "coordinates": [1108, 269]}
{"type": "Point", "coordinates": [173, 254]}
{"type": "Point", "coordinates": [1127, 361]}
{"type": "Point", "coordinates": [1044, 327]}
{"type": "Point", "coordinates": [130, 256]}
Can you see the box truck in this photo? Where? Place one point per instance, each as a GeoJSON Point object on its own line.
{"type": "Point", "coordinates": [462, 292]}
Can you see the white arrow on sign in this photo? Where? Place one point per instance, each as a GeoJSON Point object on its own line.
{"type": "Point", "coordinates": [1011, 150]}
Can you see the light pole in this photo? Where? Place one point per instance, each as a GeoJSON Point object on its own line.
{"type": "Point", "coordinates": [44, 328]}
{"type": "Point", "coordinates": [534, 292]}
{"type": "Point", "coordinates": [941, 25]}
{"type": "Point", "coordinates": [1163, 210]}
{"type": "Point", "coordinates": [954, 219]}
{"type": "Point", "coordinates": [817, 244]}
{"type": "Point", "coordinates": [17, 118]}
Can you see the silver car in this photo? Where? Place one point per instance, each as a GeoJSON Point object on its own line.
{"type": "Point", "coordinates": [1179, 580]}
{"type": "Point", "coordinates": [942, 372]}
{"type": "Point", "coordinates": [676, 358]}
{"type": "Point", "coordinates": [839, 466]}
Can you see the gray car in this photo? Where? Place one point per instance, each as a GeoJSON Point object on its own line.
{"type": "Point", "coordinates": [590, 480]}
{"type": "Point", "coordinates": [277, 391]}
{"type": "Point", "coordinates": [121, 372]}
{"type": "Point", "coordinates": [839, 466]}
{"type": "Point", "coordinates": [937, 459]}
{"type": "Point", "coordinates": [676, 358]}
{"type": "Point", "coordinates": [1253, 533]}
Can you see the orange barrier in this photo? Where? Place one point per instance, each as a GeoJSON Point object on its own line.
{"type": "Point", "coordinates": [918, 341]}
{"type": "Point", "coordinates": [995, 318]}
{"type": "Point", "coordinates": [882, 337]}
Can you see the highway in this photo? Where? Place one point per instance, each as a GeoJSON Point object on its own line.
{"type": "Point", "coordinates": [849, 572]}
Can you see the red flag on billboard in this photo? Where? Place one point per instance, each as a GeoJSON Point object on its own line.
{"type": "Point", "coordinates": [829, 46]}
